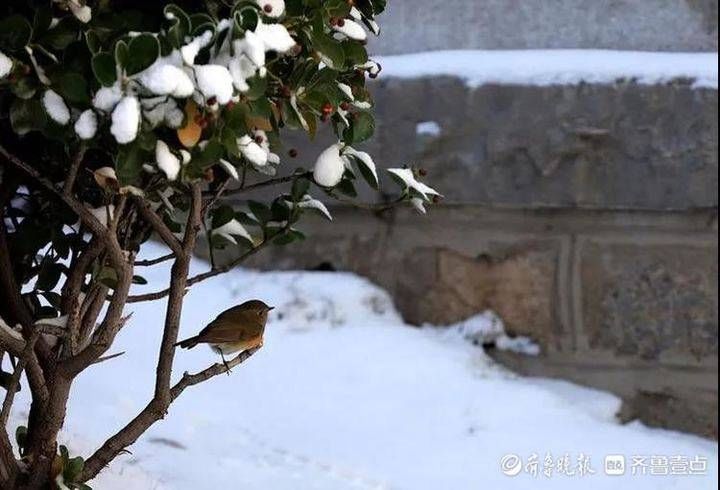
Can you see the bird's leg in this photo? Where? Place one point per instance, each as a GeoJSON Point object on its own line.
{"type": "Point", "coordinates": [227, 368]}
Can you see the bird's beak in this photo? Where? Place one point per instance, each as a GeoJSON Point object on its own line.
{"type": "Point", "coordinates": [271, 308]}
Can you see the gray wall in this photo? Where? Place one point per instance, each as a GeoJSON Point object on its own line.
{"type": "Point", "coordinates": [648, 25]}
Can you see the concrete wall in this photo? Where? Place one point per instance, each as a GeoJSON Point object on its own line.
{"type": "Point", "coordinates": [647, 25]}
{"type": "Point", "coordinates": [585, 216]}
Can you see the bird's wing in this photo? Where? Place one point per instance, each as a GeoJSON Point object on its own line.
{"type": "Point", "coordinates": [224, 329]}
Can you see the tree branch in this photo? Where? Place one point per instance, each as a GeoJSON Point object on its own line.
{"type": "Point", "coordinates": [153, 412]}
{"type": "Point", "coordinates": [26, 354]}
{"type": "Point", "coordinates": [266, 183]}
{"type": "Point", "coordinates": [159, 226]}
{"type": "Point", "coordinates": [72, 173]}
{"type": "Point", "coordinates": [155, 261]}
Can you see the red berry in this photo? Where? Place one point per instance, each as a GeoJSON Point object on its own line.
{"type": "Point", "coordinates": [344, 106]}
{"type": "Point", "coordinates": [285, 91]}
{"type": "Point", "coordinates": [267, 8]}
{"type": "Point", "coordinates": [258, 139]}
{"type": "Point", "coordinates": [293, 153]}
{"type": "Point", "coordinates": [327, 108]}
{"type": "Point", "coordinates": [422, 172]}
{"type": "Point", "coordinates": [212, 101]}
{"type": "Point", "coordinates": [436, 199]}
{"type": "Point", "coordinates": [340, 22]}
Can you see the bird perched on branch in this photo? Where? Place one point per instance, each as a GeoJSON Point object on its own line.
{"type": "Point", "coordinates": [234, 330]}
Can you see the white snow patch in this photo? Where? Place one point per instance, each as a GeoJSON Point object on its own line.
{"type": "Point", "coordinates": [231, 229]}
{"type": "Point", "coordinates": [428, 128]}
{"type": "Point", "coordinates": [487, 327]}
{"type": "Point", "coordinates": [106, 98]}
{"type": "Point", "coordinates": [215, 81]}
{"type": "Point", "coordinates": [351, 29]}
{"type": "Point", "coordinates": [166, 160]}
{"type": "Point", "coordinates": [345, 396]}
{"type": "Point", "coordinates": [126, 120]}
{"type": "Point", "coordinates": [556, 67]}
{"type": "Point", "coordinates": [329, 166]}
{"type": "Point", "coordinates": [275, 37]}
{"type": "Point", "coordinates": [86, 125]}
{"type": "Point", "coordinates": [6, 65]}
{"type": "Point", "coordinates": [165, 79]}
{"type": "Point", "coordinates": [56, 108]}
{"type": "Point", "coordinates": [276, 7]}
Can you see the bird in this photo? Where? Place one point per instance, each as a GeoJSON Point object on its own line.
{"type": "Point", "coordinates": [236, 329]}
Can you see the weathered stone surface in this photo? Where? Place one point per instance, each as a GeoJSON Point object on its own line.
{"type": "Point", "coordinates": [421, 25]}
{"type": "Point", "coordinates": [649, 301]}
{"type": "Point", "coordinates": [623, 146]}
{"type": "Point", "coordinates": [518, 284]}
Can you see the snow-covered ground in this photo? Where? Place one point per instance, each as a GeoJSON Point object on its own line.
{"type": "Point", "coordinates": [344, 395]}
{"type": "Point", "coordinates": [555, 66]}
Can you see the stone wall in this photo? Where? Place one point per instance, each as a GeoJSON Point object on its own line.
{"type": "Point", "coordinates": [585, 216]}
{"type": "Point", "coordinates": [422, 25]}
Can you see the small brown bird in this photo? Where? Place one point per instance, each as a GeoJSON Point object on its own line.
{"type": "Point", "coordinates": [236, 329]}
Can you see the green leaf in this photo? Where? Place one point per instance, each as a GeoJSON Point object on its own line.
{"type": "Point", "coordinates": [222, 215]}
{"type": "Point", "coordinates": [15, 33]}
{"type": "Point", "coordinates": [299, 188]}
{"type": "Point", "coordinates": [49, 276]}
{"type": "Point", "coordinates": [93, 42]}
{"type": "Point", "coordinates": [209, 156]}
{"type": "Point", "coordinates": [25, 87]}
{"type": "Point", "coordinates": [108, 277]}
{"type": "Point", "coordinates": [346, 187]}
{"type": "Point", "coordinates": [73, 88]}
{"type": "Point", "coordinates": [355, 53]}
{"type": "Point", "coordinates": [330, 51]}
{"type": "Point", "coordinates": [143, 51]}
{"type": "Point", "coordinates": [59, 37]}
{"type": "Point", "coordinates": [122, 54]}
{"type": "Point", "coordinates": [73, 469]}
{"type": "Point", "coordinates": [258, 86]}
{"type": "Point", "coordinates": [21, 437]}
{"type": "Point", "coordinates": [129, 162]}
{"type": "Point", "coordinates": [180, 25]}
{"type": "Point", "coordinates": [104, 68]}
{"type": "Point", "coordinates": [27, 115]}
{"type": "Point", "coordinates": [288, 237]}
{"type": "Point", "coordinates": [362, 127]}
{"type": "Point", "coordinates": [260, 211]}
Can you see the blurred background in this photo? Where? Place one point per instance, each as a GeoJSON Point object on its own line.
{"type": "Point", "coordinates": [581, 189]}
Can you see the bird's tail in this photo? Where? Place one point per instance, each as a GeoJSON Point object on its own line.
{"type": "Point", "coordinates": [188, 343]}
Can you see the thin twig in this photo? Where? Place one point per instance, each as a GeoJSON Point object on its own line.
{"type": "Point", "coordinates": [155, 261]}
{"type": "Point", "coordinates": [74, 168]}
{"type": "Point", "coordinates": [267, 183]}
{"type": "Point", "coordinates": [15, 379]}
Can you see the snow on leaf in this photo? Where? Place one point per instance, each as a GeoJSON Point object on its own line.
{"type": "Point", "coordinates": [106, 177]}
{"type": "Point", "coordinates": [309, 202]}
{"type": "Point", "coordinates": [252, 152]}
{"type": "Point", "coordinates": [272, 8]}
{"type": "Point", "coordinates": [107, 98]}
{"type": "Point", "coordinates": [231, 229]}
{"type": "Point", "coordinates": [166, 160]}
{"type": "Point", "coordinates": [191, 50]}
{"type": "Point", "coordinates": [56, 108]}
{"type": "Point", "coordinates": [165, 79]}
{"type": "Point", "coordinates": [329, 167]}
{"type": "Point", "coordinates": [86, 125]}
{"type": "Point", "coordinates": [275, 37]}
{"type": "Point", "coordinates": [126, 120]}
{"type": "Point", "coordinates": [406, 176]}
{"type": "Point", "coordinates": [229, 168]}
{"type": "Point", "coordinates": [215, 81]}
{"type": "Point", "coordinates": [6, 65]}
{"type": "Point", "coordinates": [347, 90]}
{"type": "Point", "coordinates": [351, 29]}
{"type": "Point", "coordinates": [364, 159]}
{"type": "Point", "coordinates": [83, 13]}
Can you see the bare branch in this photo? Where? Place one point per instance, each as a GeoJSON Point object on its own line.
{"type": "Point", "coordinates": [107, 358]}
{"type": "Point", "coordinates": [72, 173]}
{"type": "Point", "coordinates": [15, 379]}
{"type": "Point", "coordinates": [266, 183]}
{"type": "Point", "coordinates": [155, 261]}
{"type": "Point", "coordinates": [159, 226]}
{"type": "Point", "coordinates": [202, 276]}
{"type": "Point", "coordinates": [153, 412]}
